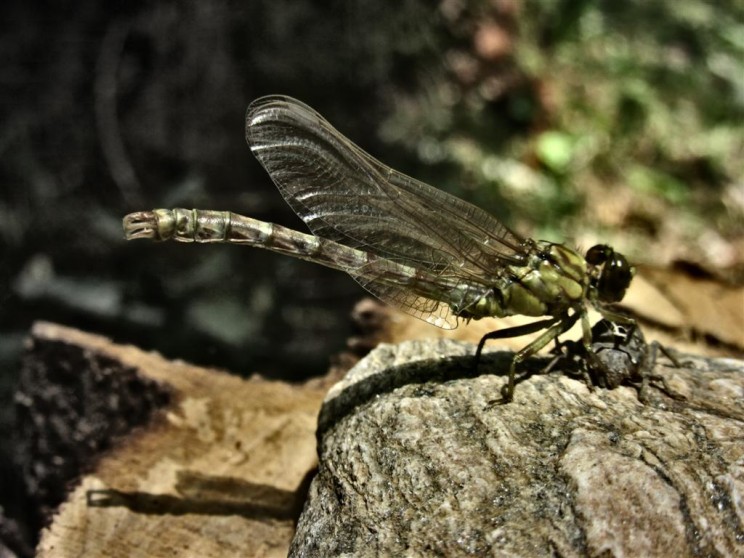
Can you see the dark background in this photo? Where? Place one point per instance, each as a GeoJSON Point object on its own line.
{"type": "Point", "coordinates": [619, 122]}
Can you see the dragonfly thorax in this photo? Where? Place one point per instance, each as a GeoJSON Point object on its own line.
{"type": "Point", "coordinates": [552, 279]}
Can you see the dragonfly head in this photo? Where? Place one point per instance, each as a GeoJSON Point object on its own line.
{"type": "Point", "coordinates": [611, 275]}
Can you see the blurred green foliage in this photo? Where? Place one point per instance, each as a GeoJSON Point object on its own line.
{"type": "Point", "coordinates": [636, 105]}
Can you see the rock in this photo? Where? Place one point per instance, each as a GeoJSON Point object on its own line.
{"type": "Point", "coordinates": [419, 458]}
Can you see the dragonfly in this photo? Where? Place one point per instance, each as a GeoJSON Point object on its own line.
{"type": "Point", "coordinates": [431, 254]}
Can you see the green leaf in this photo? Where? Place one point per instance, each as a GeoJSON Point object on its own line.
{"type": "Point", "coordinates": [555, 150]}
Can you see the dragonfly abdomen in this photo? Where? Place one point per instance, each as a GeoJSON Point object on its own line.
{"type": "Point", "coordinates": [205, 226]}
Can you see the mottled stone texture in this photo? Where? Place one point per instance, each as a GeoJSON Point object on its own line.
{"type": "Point", "coordinates": [419, 458]}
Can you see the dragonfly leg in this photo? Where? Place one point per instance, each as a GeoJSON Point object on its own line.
{"type": "Point", "coordinates": [558, 327]}
{"type": "Point", "coordinates": [618, 318]}
{"type": "Point", "coordinates": [553, 328]}
{"type": "Point", "coordinates": [516, 331]}
{"type": "Point", "coordinates": [667, 353]}
{"type": "Point", "coordinates": [648, 376]}
{"type": "Point", "coordinates": [555, 360]}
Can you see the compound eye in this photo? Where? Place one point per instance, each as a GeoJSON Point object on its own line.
{"type": "Point", "coordinates": [599, 254]}
{"type": "Point", "coordinates": [615, 279]}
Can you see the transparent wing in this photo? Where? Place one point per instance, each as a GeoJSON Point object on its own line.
{"type": "Point", "coordinates": [344, 194]}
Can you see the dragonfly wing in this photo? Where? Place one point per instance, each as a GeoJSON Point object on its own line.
{"type": "Point", "coordinates": [344, 194]}
{"type": "Point", "coordinates": [436, 312]}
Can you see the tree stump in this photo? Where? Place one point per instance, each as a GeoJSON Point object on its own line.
{"type": "Point", "coordinates": [220, 467]}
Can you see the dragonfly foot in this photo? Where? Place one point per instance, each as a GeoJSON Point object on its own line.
{"type": "Point", "coordinates": [507, 393]}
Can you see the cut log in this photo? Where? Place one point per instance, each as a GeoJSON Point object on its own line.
{"type": "Point", "coordinates": [201, 463]}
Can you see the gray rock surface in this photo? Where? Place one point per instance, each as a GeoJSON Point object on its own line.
{"type": "Point", "coordinates": [419, 458]}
